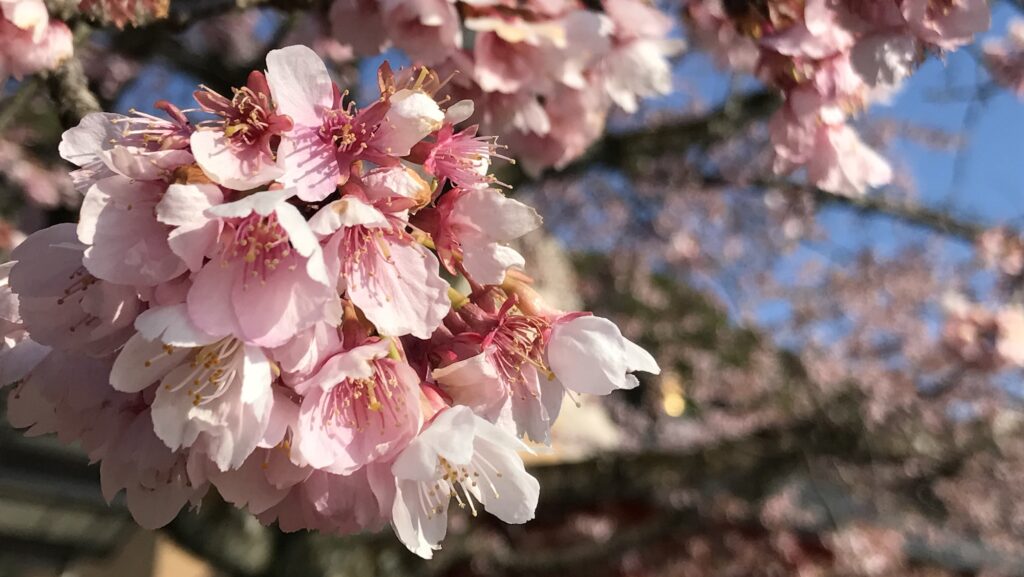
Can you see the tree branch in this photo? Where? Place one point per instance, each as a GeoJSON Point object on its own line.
{"type": "Point", "coordinates": [908, 212]}
{"type": "Point", "coordinates": [629, 150]}
{"type": "Point", "coordinates": [184, 13]}
{"type": "Point", "coordinates": [69, 90]}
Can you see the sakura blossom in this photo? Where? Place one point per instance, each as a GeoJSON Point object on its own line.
{"type": "Point", "coordinates": [517, 60]}
{"type": "Point", "coordinates": [1004, 58]}
{"type": "Point", "coordinates": [264, 303]}
{"type": "Point", "coordinates": [236, 152]}
{"type": "Point", "coordinates": [842, 56]}
{"type": "Point", "coordinates": [29, 40]}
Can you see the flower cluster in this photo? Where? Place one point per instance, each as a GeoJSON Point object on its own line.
{"type": "Point", "coordinates": [982, 338]}
{"type": "Point", "coordinates": [255, 301]}
{"type": "Point", "coordinates": [1004, 58]}
{"type": "Point", "coordinates": [832, 58]}
{"type": "Point", "coordinates": [29, 40]}
{"type": "Point", "coordinates": [543, 73]}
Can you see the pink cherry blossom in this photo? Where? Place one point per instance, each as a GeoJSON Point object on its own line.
{"type": "Point", "coordinates": [359, 24]}
{"type": "Point", "coordinates": [29, 41]}
{"type": "Point", "coordinates": [461, 158]}
{"type": "Point", "coordinates": [142, 146]}
{"type": "Point", "coordinates": [213, 395]}
{"type": "Point", "coordinates": [470, 227]}
{"type": "Point", "coordinates": [428, 28]}
{"type": "Point", "coordinates": [713, 32]}
{"type": "Point", "coordinates": [236, 151]}
{"type": "Point", "coordinates": [154, 477]}
{"type": "Point", "coordinates": [361, 406]}
{"type": "Point", "coordinates": [61, 304]}
{"type": "Point", "coordinates": [266, 279]}
{"type": "Point", "coordinates": [812, 133]}
{"type": "Point", "coordinates": [393, 279]}
{"type": "Point", "coordinates": [463, 456]}
{"type": "Point", "coordinates": [316, 155]}
{"type": "Point", "coordinates": [947, 23]}
{"type": "Point", "coordinates": [296, 348]}
{"type": "Point", "coordinates": [1004, 58]}
{"type": "Point", "coordinates": [502, 371]}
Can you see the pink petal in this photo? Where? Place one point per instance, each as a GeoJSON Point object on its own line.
{"type": "Point", "coordinates": [300, 84]}
{"type": "Point", "coordinates": [238, 170]}
{"type": "Point", "coordinates": [406, 295]}
{"type": "Point", "coordinates": [309, 165]}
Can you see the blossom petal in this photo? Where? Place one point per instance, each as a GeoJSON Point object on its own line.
{"type": "Point", "coordinates": [238, 170]}
{"type": "Point", "coordinates": [300, 84]}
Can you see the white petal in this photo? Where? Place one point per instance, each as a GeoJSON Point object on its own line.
{"type": "Point", "coordinates": [496, 217]}
{"type": "Point", "coordinates": [143, 362]}
{"type": "Point", "coordinates": [638, 359]}
{"type": "Point", "coordinates": [487, 263]}
{"type": "Point", "coordinates": [81, 145]}
{"type": "Point", "coordinates": [226, 167]}
{"type": "Point", "coordinates": [515, 493]}
{"type": "Point", "coordinates": [346, 212]}
{"type": "Point", "coordinates": [588, 355]}
{"type": "Point", "coordinates": [256, 378]}
{"type": "Point", "coordinates": [184, 204]}
{"type": "Point", "coordinates": [171, 325]}
{"type": "Point", "coordinates": [262, 203]}
{"type": "Point", "coordinates": [459, 112]}
{"type": "Point", "coordinates": [300, 84]}
{"type": "Point", "coordinates": [420, 530]}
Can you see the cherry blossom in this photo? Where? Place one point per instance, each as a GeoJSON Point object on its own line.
{"type": "Point", "coordinates": [460, 456]}
{"type": "Point", "coordinates": [833, 59]}
{"type": "Point", "coordinates": [255, 303]}
{"type": "Point", "coordinates": [1004, 58]}
{"type": "Point", "coordinates": [29, 41]}
{"type": "Point", "coordinates": [512, 57]}
{"type": "Point", "coordinates": [236, 152]}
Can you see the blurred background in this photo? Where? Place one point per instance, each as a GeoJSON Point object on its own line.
{"type": "Point", "coordinates": [841, 390]}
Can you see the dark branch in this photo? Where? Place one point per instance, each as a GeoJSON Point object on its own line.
{"type": "Point", "coordinates": [69, 90]}
{"type": "Point", "coordinates": [631, 150]}
{"type": "Point", "coordinates": [908, 212]}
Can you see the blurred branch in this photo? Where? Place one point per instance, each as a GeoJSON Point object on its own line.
{"type": "Point", "coordinates": [12, 108]}
{"type": "Point", "coordinates": [69, 90]}
{"type": "Point", "coordinates": [627, 150]}
{"type": "Point", "coordinates": [185, 13]}
{"type": "Point", "coordinates": [909, 212]}
{"type": "Point", "coordinates": [69, 86]}
{"type": "Point", "coordinates": [630, 150]}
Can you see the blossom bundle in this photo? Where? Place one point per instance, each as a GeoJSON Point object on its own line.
{"type": "Point", "coordinates": [29, 40]}
{"type": "Point", "coordinates": [1004, 58]}
{"type": "Point", "coordinates": [255, 302]}
{"type": "Point", "coordinates": [832, 58]}
{"type": "Point", "coordinates": [544, 73]}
